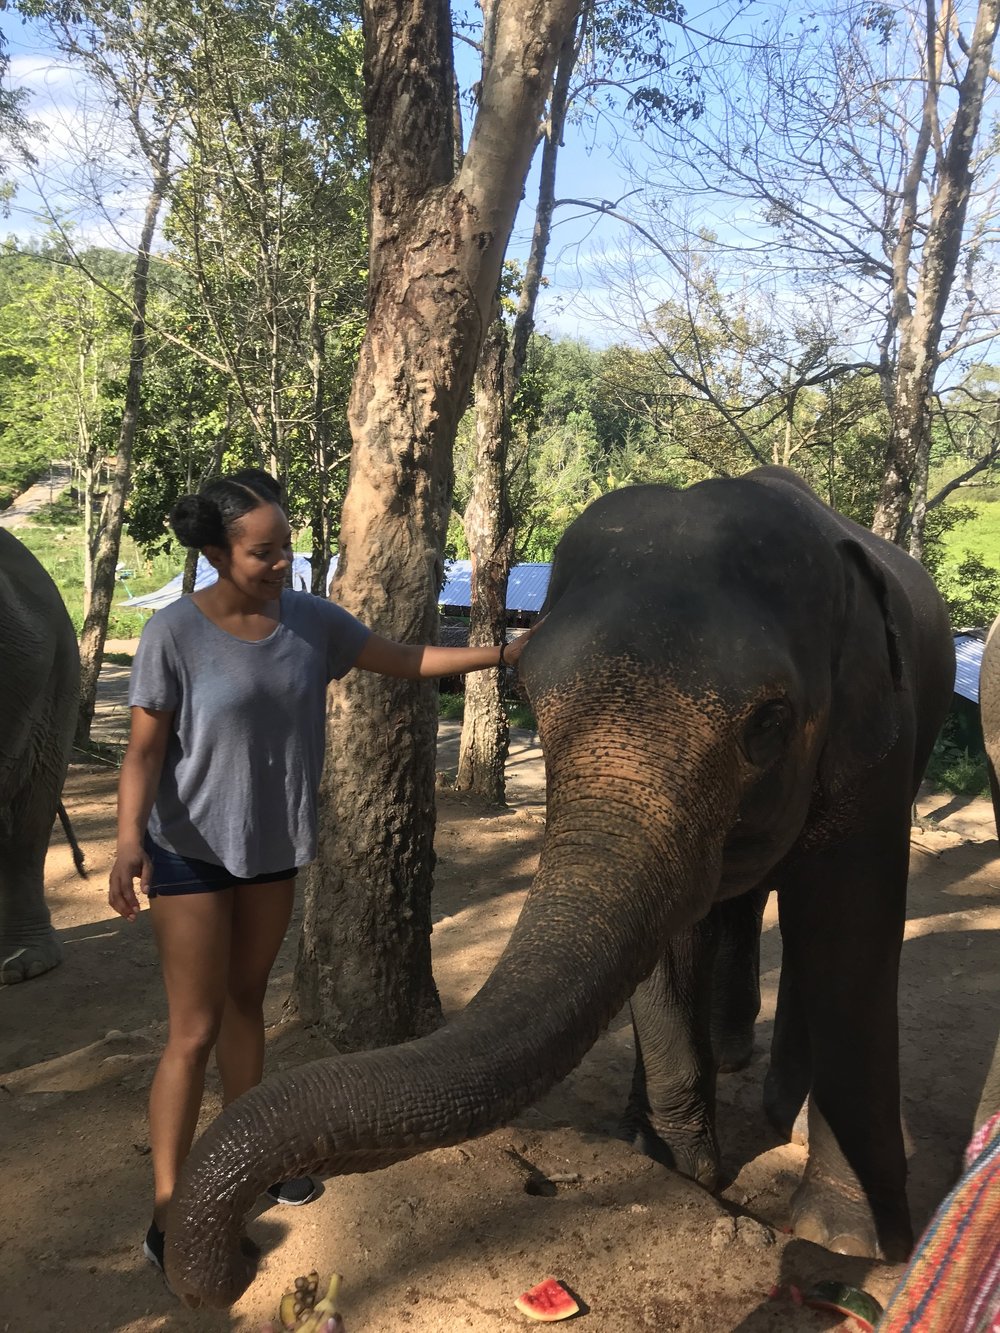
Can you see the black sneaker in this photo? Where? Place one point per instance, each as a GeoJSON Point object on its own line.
{"type": "Point", "coordinates": [152, 1246]}
{"type": "Point", "coordinates": [295, 1192]}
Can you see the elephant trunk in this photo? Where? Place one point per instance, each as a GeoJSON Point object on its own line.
{"type": "Point", "coordinates": [593, 926]}
{"type": "Point", "coordinates": [545, 1004]}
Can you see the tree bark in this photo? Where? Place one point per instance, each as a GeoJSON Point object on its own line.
{"type": "Point", "coordinates": [920, 326]}
{"type": "Point", "coordinates": [95, 626]}
{"type": "Point", "coordinates": [437, 243]}
{"type": "Point", "coordinates": [489, 530]}
{"type": "Point", "coordinates": [320, 431]}
{"type": "Point", "coordinates": [488, 517]}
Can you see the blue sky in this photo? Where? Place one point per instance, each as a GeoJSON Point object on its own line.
{"type": "Point", "coordinates": [68, 116]}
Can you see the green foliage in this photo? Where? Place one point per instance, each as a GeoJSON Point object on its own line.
{"type": "Point", "coordinates": [573, 439]}
{"type": "Point", "coordinates": [59, 548]}
{"type": "Point", "coordinates": [962, 555]}
{"type": "Point", "coordinates": [451, 708]}
{"type": "Point", "coordinates": [954, 766]}
{"type": "Point", "coordinates": [63, 342]}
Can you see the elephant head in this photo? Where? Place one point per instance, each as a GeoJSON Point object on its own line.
{"type": "Point", "coordinates": [719, 671]}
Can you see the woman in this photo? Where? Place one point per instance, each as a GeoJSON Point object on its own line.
{"type": "Point", "coordinates": [218, 792]}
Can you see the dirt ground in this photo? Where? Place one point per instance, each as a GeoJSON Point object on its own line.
{"type": "Point", "coordinates": [447, 1241]}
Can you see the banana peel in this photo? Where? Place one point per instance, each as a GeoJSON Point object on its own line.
{"type": "Point", "coordinates": [324, 1309]}
{"type": "Point", "coordinates": [299, 1309]}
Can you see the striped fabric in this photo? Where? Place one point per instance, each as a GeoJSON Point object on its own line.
{"type": "Point", "coordinates": [952, 1284]}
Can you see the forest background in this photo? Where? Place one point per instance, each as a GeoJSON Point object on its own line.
{"type": "Point", "coordinates": [237, 203]}
{"type": "Point", "coordinates": [708, 350]}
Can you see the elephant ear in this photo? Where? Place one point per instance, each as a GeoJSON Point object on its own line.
{"type": "Point", "coordinates": [867, 675]}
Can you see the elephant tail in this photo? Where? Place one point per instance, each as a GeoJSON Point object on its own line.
{"type": "Point", "coordinates": [78, 857]}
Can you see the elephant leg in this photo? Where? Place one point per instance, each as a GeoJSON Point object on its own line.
{"type": "Point", "coordinates": [29, 945]}
{"type": "Point", "coordinates": [736, 978]}
{"type": "Point", "coordinates": [989, 1099]}
{"type": "Point", "coordinates": [789, 1073]}
{"type": "Point", "coordinates": [671, 1111]}
{"type": "Point", "coordinates": [842, 923]}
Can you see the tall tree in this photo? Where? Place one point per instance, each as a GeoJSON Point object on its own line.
{"type": "Point", "coordinates": [122, 49]}
{"type": "Point", "coordinates": [438, 237]}
{"type": "Point", "coordinates": [854, 132]}
{"type": "Point", "coordinates": [614, 58]}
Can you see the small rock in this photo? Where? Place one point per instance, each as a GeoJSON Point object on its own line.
{"type": "Point", "coordinates": [753, 1233]}
{"type": "Point", "coordinates": [639, 1208]}
{"type": "Point", "coordinates": [723, 1233]}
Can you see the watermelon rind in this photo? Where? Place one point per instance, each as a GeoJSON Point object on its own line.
{"type": "Point", "coordinates": [847, 1300]}
{"type": "Point", "coordinates": [546, 1303]}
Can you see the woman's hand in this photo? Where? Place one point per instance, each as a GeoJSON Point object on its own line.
{"type": "Point", "coordinates": [513, 650]}
{"type": "Point", "coordinates": [131, 863]}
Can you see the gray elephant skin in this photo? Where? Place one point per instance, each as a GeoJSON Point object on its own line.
{"type": "Point", "coordinates": [736, 690]}
{"type": "Point", "coordinates": [989, 711]}
{"type": "Point", "coordinates": [39, 678]}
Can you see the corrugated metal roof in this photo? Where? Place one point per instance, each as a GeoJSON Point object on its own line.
{"type": "Point", "coordinates": [526, 586]}
{"type": "Point", "coordinates": [206, 575]}
{"type": "Point", "coordinates": [968, 659]}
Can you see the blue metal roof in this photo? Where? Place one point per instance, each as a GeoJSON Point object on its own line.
{"type": "Point", "coordinates": [205, 574]}
{"type": "Point", "coordinates": [526, 586]}
{"type": "Point", "coordinates": [968, 659]}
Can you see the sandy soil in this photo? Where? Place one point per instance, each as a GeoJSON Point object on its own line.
{"type": "Point", "coordinates": [446, 1242]}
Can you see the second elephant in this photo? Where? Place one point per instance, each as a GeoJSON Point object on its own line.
{"type": "Point", "coordinates": [736, 690]}
{"type": "Point", "coordinates": [39, 682]}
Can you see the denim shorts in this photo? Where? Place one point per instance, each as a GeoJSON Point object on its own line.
{"type": "Point", "coordinates": [174, 874]}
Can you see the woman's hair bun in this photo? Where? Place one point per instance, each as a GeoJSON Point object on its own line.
{"type": "Point", "coordinates": [197, 522]}
{"type": "Point", "coordinates": [205, 519]}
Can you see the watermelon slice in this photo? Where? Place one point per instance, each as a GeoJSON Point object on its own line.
{"type": "Point", "coordinates": [862, 1308]}
{"type": "Point", "coordinates": [547, 1302]}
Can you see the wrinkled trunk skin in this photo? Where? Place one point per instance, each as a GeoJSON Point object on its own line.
{"type": "Point", "coordinates": [578, 951]}
{"type": "Point", "coordinates": [489, 529]}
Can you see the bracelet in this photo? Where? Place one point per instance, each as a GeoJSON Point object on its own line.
{"type": "Point", "coordinates": [502, 662]}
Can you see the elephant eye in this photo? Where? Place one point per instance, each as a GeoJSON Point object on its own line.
{"type": "Point", "coordinates": [767, 731]}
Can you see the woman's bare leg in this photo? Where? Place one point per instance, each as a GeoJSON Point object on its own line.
{"type": "Point", "coordinates": [193, 938]}
{"type": "Point", "coordinates": [260, 918]}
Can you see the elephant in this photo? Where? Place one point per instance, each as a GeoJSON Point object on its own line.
{"type": "Point", "coordinates": [989, 711]}
{"type": "Point", "coordinates": [736, 690]}
{"type": "Point", "coordinates": [40, 674]}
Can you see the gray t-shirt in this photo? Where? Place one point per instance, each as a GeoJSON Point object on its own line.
{"type": "Point", "coordinates": [241, 774]}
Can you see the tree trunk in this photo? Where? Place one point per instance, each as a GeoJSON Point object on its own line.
{"type": "Point", "coordinates": [319, 521]}
{"type": "Point", "coordinates": [437, 245]}
{"type": "Point", "coordinates": [489, 530]}
{"type": "Point", "coordinates": [95, 626]}
{"type": "Point", "coordinates": [488, 517]}
{"type": "Point", "coordinates": [920, 329]}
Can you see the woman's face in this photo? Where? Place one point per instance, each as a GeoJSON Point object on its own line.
{"type": "Point", "coordinates": [259, 555]}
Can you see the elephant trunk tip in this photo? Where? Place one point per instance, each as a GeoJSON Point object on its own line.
{"type": "Point", "coordinates": [200, 1278]}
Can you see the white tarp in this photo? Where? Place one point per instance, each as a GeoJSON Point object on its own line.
{"type": "Point", "coordinates": [206, 575]}
{"type": "Point", "coordinates": [525, 588]}
{"type": "Point", "coordinates": [968, 659]}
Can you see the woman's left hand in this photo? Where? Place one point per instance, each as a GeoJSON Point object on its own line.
{"type": "Point", "coordinates": [513, 650]}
